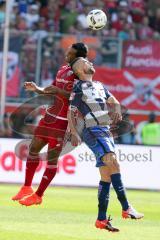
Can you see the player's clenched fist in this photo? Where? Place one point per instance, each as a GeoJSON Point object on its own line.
{"type": "Point", "coordinates": [75, 140]}
{"type": "Point", "coordinates": [116, 117]}
{"type": "Point", "coordinates": [30, 86]}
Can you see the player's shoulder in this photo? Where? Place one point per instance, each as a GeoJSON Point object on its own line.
{"type": "Point", "coordinates": [65, 68]}
{"type": "Point", "coordinates": [77, 85]}
{"type": "Point", "coordinates": [99, 84]}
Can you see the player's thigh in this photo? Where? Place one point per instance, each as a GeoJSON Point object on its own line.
{"type": "Point", "coordinates": [36, 145]}
{"type": "Point", "coordinates": [105, 174]}
{"type": "Point", "coordinates": [110, 160]}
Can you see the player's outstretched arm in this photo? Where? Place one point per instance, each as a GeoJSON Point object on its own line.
{"type": "Point", "coordinates": [75, 138]}
{"type": "Point", "coordinates": [55, 90]}
{"type": "Point", "coordinates": [32, 87]}
{"type": "Point", "coordinates": [116, 109]}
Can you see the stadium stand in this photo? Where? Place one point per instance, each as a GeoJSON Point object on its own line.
{"type": "Point", "coordinates": [48, 27]}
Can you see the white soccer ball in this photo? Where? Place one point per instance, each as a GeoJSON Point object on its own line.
{"type": "Point", "coordinates": [96, 19]}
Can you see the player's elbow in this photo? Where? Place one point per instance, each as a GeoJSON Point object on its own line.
{"type": "Point", "coordinates": [113, 100]}
{"type": "Point", "coordinates": [69, 114]}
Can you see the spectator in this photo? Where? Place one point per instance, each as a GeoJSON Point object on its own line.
{"type": "Point", "coordinates": [28, 60]}
{"type": "Point", "coordinates": [122, 14]}
{"type": "Point", "coordinates": [137, 8]}
{"type": "Point", "coordinates": [157, 20]}
{"type": "Point", "coordinates": [41, 31]}
{"type": "Point", "coordinates": [32, 16]}
{"type": "Point", "coordinates": [21, 23]}
{"type": "Point", "coordinates": [81, 18]}
{"type": "Point", "coordinates": [53, 16]}
{"type": "Point", "coordinates": [69, 16]}
{"type": "Point", "coordinates": [151, 131]}
{"type": "Point", "coordinates": [48, 69]}
{"type": "Point", "coordinates": [125, 34]}
{"type": "Point", "coordinates": [127, 131]}
{"type": "Point", "coordinates": [14, 13]}
{"type": "Point", "coordinates": [132, 33]}
{"type": "Point", "coordinates": [111, 6]}
{"type": "Point", "coordinates": [153, 5]}
{"type": "Point", "coordinates": [145, 32]}
{"type": "Point", "coordinates": [109, 49]}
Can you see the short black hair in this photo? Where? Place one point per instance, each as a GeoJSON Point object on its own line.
{"type": "Point", "coordinates": [82, 49]}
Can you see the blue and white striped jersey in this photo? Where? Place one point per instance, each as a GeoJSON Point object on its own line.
{"type": "Point", "coordinates": [90, 99]}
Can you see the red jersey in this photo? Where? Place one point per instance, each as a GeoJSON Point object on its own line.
{"type": "Point", "coordinates": [53, 126]}
{"type": "Point", "coordinates": [58, 111]}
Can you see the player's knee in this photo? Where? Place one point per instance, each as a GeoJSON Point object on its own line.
{"type": "Point", "coordinates": [106, 178]}
{"type": "Point", "coordinates": [52, 162]}
{"type": "Point", "coordinates": [33, 150]}
{"type": "Point", "coordinates": [111, 161]}
{"type": "Point", "coordinates": [53, 157]}
{"type": "Point", "coordinates": [108, 158]}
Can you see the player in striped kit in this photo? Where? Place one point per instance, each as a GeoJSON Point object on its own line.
{"type": "Point", "coordinates": [91, 99]}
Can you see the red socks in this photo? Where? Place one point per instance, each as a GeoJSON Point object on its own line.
{"type": "Point", "coordinates": [48, 175]}
{"type": "Point", "coordinates": [31, 165]}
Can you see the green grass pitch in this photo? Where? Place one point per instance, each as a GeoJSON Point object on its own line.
{"type": "Point", "coordinates": [69, 214]}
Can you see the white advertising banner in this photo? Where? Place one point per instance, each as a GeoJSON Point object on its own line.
{"type": "Point", "coordinates": [140, 166]}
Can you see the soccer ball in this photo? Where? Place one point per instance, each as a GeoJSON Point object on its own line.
{"type": "Point", "coordinates": [96, 19]}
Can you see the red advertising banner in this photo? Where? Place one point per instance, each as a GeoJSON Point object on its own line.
{"type": "Point", "coordinates": [134, 89]}
{"type": "Point", "coordinates": [13, 74]}
{"type": "Point", "coordinates": [141, 55]}
{"type": "Point", "coordinates": [13, 65]}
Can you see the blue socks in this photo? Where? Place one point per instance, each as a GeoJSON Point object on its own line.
{"type": "Point", "coordinates": [103, 199]}
{"type": "Point", "coordinates": [120, 190]}
{"type": "Point", "coordinates": [103, 195]}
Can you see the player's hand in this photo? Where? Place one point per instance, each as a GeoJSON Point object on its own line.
{"type": "Point", "coordinates": [116, 117]}
{"type": "Point", "coordinates": [30, 86]}
{"type": "Point", "coordinates": [75, 140]}
{"type": "Point", "coordinates": [51, 90]}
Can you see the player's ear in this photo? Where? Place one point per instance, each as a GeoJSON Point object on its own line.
{"type": "Point", "coordinates": [74, 61]}
{"type": "Point", "coordinates": [75, 67]}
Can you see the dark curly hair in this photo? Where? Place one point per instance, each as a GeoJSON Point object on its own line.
{"type": "Point", "coordinates": [81, 48]}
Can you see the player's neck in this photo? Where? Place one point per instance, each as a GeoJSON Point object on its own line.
{"type": "Point", "coordinates": [86, 76]}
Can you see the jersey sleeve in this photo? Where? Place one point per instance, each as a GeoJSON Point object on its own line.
{"type": "Point", "coordinates": [107, 93]}
{"type": "Point", "coordinates": [75, 98]}
{"type": "Point", "coordinates": [54, 82]}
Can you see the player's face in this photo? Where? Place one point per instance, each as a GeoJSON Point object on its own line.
{"type": "Point", "coordinates": [70, 54]}
{"type": "Point", "coordinates": [88, 67]}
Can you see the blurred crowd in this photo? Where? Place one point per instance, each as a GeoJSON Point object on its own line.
{"type": "Point", "coordinates": [128, 19]}
{"type": "Point", "coordinates": [48, 27]}
{"type": "Point", "coordinates": [47, 20]}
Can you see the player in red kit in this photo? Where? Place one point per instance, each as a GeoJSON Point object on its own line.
{"type": "Point", "coordinates": [51, 128]}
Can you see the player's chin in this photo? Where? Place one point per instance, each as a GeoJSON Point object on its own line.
{"type": "Point", "coordinates": [93, 70]}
